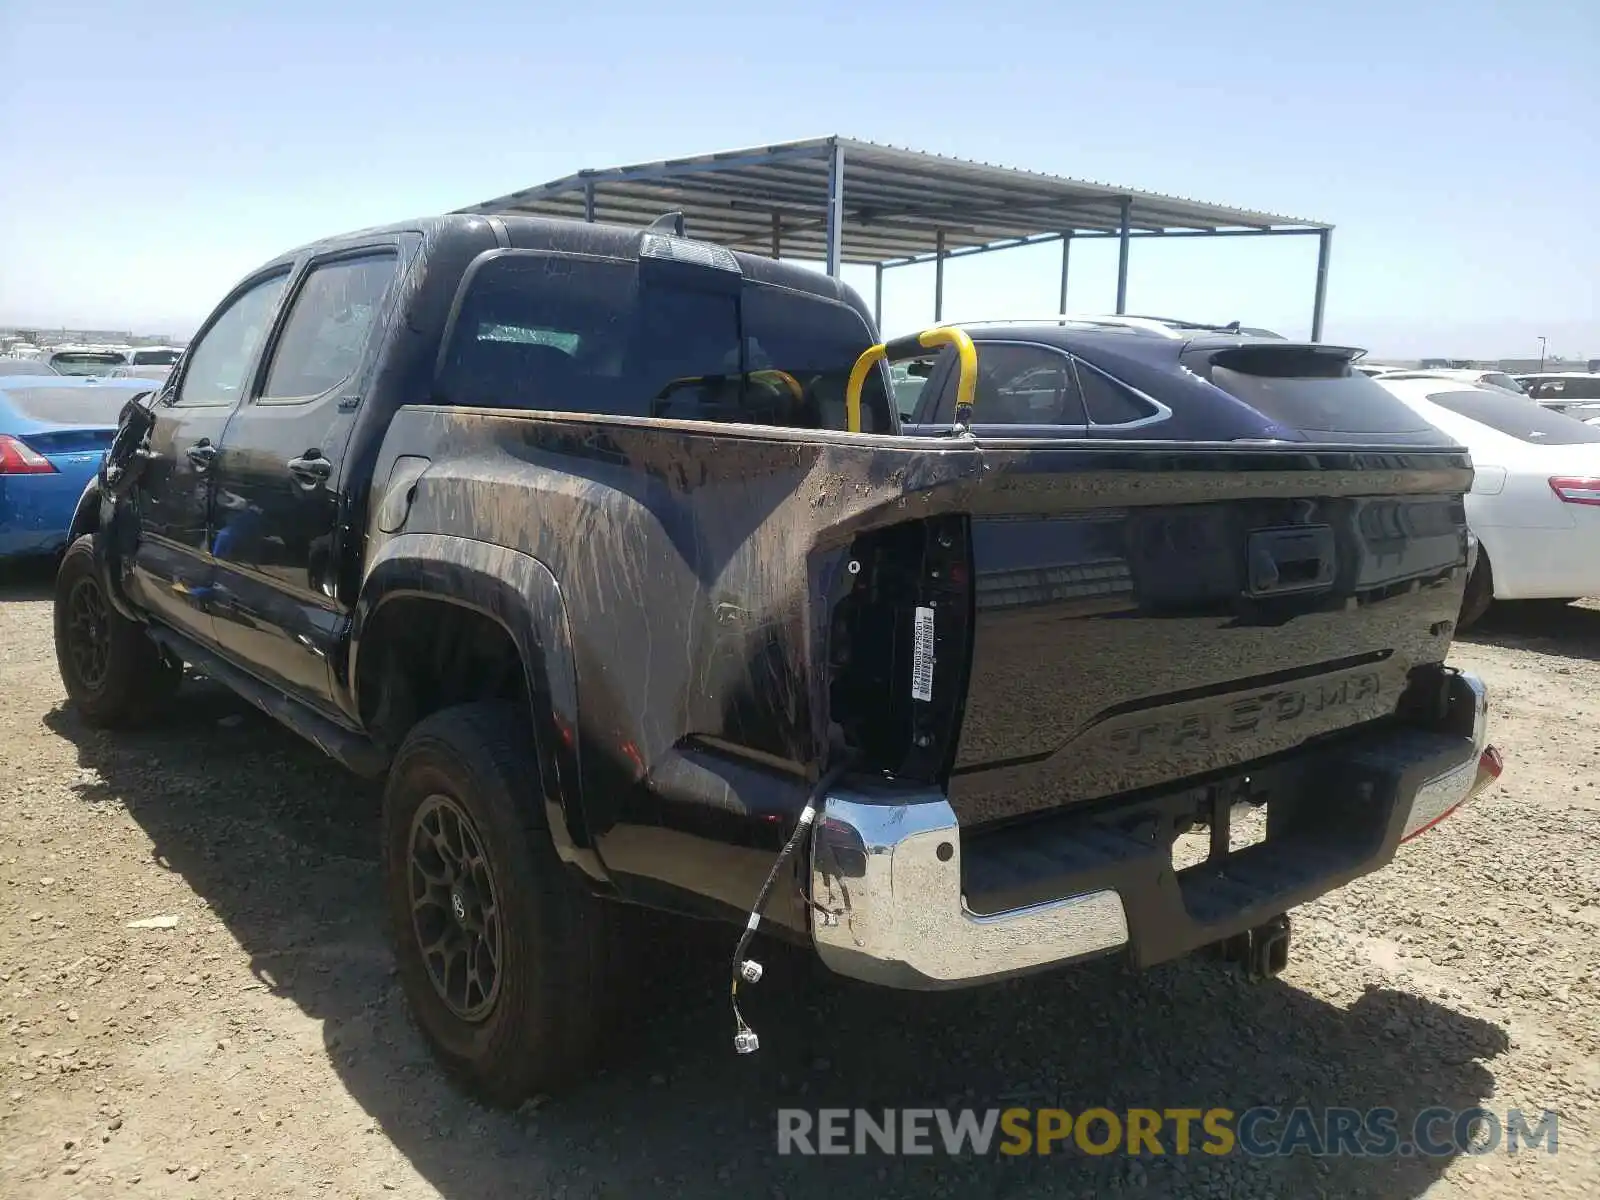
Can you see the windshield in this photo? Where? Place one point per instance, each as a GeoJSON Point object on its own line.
{"type": "Point", "coordinates": [85, 362]}
{"type": "Point", "coordinates": [155, 357]}
{"type": "Point", "coordinates": [1496, 379]}
{"type": "Point", "coordinates": [1515, 417]}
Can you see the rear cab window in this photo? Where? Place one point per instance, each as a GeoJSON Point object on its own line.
{"type": "Point", "coordinates": [1515, 417]}
{"type": "Point", "coordinates": [540, 330]}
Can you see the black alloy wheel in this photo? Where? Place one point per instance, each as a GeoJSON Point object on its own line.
{"type": "Point", "coordinates": [88, 640]}
{"type": "Point", "coordinates": [454, 908]}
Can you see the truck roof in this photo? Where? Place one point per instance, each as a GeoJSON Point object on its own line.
{"type": "Point", "coordinates": [550, 233]}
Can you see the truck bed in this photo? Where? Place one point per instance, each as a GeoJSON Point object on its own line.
{"type": "Point", "coordinates": [741, 599]}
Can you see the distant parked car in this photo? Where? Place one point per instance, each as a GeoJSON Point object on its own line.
{"type": "Point", "coordinates": [1141, 380]}
{"type": "Point", "coordinates": [53, 434]}
{"type": "Point", "coordinates": [1475, 378]}
{"type": "Point", "coordinates": [82, 360]}
{"type": "Point", "coordinates": [1576, 393]}
{"type": "Point", "coordinates": [154, 356]}
{"type": "Point", "coordinates": [1535, 499]}
{"type": "Point", "coordinates": [152, 374]}
{"type": "Point", "coordinates": [25, 366]}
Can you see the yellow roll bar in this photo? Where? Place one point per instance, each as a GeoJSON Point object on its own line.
{"type": "Point", "coordinates": [912, 346]}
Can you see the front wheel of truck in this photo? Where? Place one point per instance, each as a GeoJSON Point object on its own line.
{"type": "Point", "coordinates": [113, 673]}
{"type": "Point", "coordinates": [501, 953]}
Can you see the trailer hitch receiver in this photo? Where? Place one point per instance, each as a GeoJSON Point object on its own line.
{"type": "Point", "coordinates": [1262, 952]}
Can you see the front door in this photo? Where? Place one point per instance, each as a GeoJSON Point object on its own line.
{"type": "Point", "coordinates": [278, 485]}
{"type": "Point", "coordinates": [172, 570]}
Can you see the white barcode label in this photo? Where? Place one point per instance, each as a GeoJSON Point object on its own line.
{"type": "Point", "coordinates": [922, 656]}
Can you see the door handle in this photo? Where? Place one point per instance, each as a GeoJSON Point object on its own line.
{"type": "Point", "coordinates": [311, 468]}
{"type": "Point", "coordinates": [201, 454]}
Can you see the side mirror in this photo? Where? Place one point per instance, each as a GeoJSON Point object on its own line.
{"type": "Point", "coordinates": [124, 461]}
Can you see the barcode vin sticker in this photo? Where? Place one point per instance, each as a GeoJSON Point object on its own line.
{"type": "Point", "coordinates": [922, 656]}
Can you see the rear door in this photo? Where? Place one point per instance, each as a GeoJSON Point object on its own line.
{"type": "Point", "coordinates": [1024, 389]}
{"type": "Point", "coordinates": [172, 567]}
{"type": "Point", "coordinates": [279, 479]}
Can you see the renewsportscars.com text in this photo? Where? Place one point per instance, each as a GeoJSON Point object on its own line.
{"type": "Point", "coordinates": [1258, 1132]}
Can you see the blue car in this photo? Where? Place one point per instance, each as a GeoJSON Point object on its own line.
{"type": "Point", "coordinates": [54, 430]}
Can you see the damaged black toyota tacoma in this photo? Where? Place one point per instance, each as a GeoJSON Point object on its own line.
{"type": "Point", "coordinates": [607, 549]}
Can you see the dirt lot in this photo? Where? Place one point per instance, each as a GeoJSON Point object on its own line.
{"type": "Point", "coordinates": [259, 1046]}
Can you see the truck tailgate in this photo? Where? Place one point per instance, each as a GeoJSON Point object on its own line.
{"type": "Point", "coordinates": [1144, 616]}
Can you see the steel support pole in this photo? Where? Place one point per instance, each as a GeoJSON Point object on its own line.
{"type": "Point", "coordinates": [1320, 303]}
{"type": "Point", "coordinates": [588, 203]}
{"type": "Point", "coordinates": [1066, 262]}
{"type": "Point", "coordinates": [777, 236]}
{"type": "Point", "coordinates": [1122, 255]}
{"type": "Point", "coordinates": [877, 300]}
{"type": "Point", "coordinates": [835, 209]}
{"type": "Point", "coordinates": [938, 276]}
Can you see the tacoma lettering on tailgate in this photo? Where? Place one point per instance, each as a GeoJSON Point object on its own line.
{"type": "Point", "coordinates": [1238, 716]}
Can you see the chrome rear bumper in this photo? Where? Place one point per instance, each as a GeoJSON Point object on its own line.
{"type": "Point", "coordinates": [887, 880]}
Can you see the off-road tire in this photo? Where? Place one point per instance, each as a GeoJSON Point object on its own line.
{"type": "Point", "coordinates": [1479, 594]}
{"type": "Point", "coordinates": [114, 674]}
{"type": "Point", "coordinates": [542, 1028]}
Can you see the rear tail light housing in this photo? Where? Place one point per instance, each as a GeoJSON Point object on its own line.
{"type": "Point", "coordinates": [1576, 489]}
{"type": "Point", "coordinates": [19, 458]}
{"type": "Point", "coordinates": [899, 647]}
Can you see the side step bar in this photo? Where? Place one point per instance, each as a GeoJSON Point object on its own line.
{"type": "Point", "coordinates": [357, 752]}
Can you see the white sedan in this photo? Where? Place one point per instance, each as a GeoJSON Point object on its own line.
{"type": "Point", "coordinates": [1535, 500]}
{"type": "Point", "coordinates": [1471, 378]}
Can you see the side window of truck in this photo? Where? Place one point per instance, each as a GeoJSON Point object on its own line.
{"type": "Point", "coordinates": [572, 334]}
{"type": "Point", "coordinates": [331, 318]}
{"type": "Point", "coordinates": [810, 343]}
{"type": "Point", "coordinates": [218, 362]}
{"type": "Point", "coordinates": [543, 331]}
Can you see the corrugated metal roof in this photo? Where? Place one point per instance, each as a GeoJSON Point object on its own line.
{"type": "Point", "coordinates": [896, 201]}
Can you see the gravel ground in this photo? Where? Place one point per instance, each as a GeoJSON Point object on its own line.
{"type": "Point", "coordinates": [259, 1046]}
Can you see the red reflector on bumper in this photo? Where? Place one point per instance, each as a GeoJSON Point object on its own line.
{"type": "Point", "coordinates": [1490, 764]}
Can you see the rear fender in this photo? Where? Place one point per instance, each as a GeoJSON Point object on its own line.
{"type": "Point", "coordinates": [521, 595]}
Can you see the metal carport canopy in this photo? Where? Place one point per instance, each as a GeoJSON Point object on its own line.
{"type": "Point", "coordinates": [838, 200]}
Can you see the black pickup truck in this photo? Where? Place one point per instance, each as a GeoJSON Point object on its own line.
{"type": "Point", "coordinates": [606, 547]}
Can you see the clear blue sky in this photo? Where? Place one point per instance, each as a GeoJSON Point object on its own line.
{"type": "Point", "coordinates": [156, 151]}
